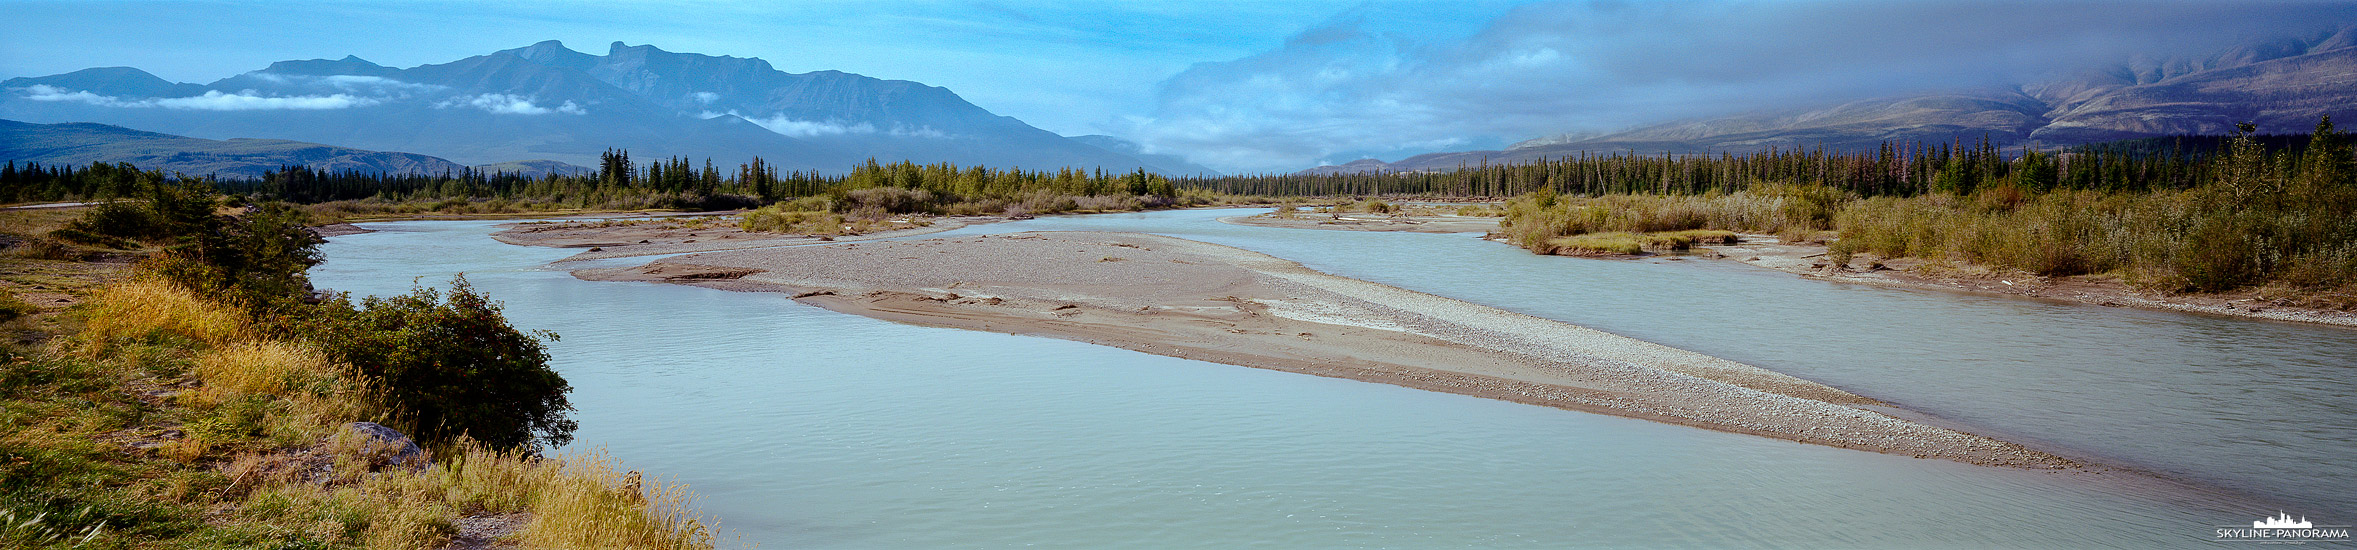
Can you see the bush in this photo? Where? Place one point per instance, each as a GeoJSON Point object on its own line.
{"type": "Point", "coordinates": [452, 366]}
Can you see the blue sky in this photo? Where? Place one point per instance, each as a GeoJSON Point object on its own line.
{"type": "Point", "coordinates": [1241, 86]}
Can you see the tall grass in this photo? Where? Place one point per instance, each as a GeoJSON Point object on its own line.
{"type": "Point", "coordinates": [591, 503]}
{"type": "Point", "coordinates": [149, 306]}
{"type": "Point", "coordinates": [1798, 213]}
{"type": "Point", "coordinates": [2210, 239]}
{"type": "Point", "coordinates": [258, 368]}
{"type": "Point", "coordinates": [2199, 240]}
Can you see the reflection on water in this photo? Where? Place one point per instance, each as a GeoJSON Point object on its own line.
{"type": "Point", "coordinates": [800, 427]}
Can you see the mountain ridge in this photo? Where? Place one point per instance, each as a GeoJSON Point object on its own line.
{"type": "Point", "coordinates": [548, 101]}
{"type": "Point", "coordinates": [2282, 84]}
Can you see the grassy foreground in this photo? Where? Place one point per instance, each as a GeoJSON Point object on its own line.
{"type": "Point", "coordinates": [152, 415]}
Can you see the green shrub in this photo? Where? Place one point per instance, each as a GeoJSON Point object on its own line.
{"type": "Point", "coordinates": [452, 365]}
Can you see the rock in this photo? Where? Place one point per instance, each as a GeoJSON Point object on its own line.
{"type": "Point", "coordinates": [405, 449]}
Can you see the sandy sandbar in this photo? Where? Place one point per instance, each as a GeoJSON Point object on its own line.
{"type": "Point", "coordinates": [630, 237]}
{"type": "Point", "coordinates": [1197, 300]}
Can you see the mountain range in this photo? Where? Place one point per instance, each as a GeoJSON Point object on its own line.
{"type": "Point", "coordinates": [2283, 85]}
{"type": "Point", "coordinates": [546, 102]}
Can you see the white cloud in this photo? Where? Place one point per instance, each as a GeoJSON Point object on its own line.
{"type": "Point", "coordinates": [509, 104]}
{"type": "Point", "coordinates": [706, 98]}
{"type": "Point", "coordinates": [920, 132]}
{"type": "Point", "coordinates": [43, 92]}
{"type": "Point", "coordinates": [213, 100]}
{"type": "Point", "coordinates": [809, 128]}
{"type": "Point", "coordinates": [377, 83]}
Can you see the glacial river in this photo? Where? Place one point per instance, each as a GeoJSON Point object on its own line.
{"type": "Point", "coordinates": [803, 428]}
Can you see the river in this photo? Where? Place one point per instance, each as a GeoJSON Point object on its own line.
{"type": "Point", "coordinates": [800, 427]}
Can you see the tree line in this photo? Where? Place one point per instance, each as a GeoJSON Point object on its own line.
{"type": "Point", "coordinates": [1893, 169]}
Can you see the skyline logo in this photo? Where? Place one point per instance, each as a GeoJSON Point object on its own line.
{"type": "Point", "coordinates": [2282, 529]}
{"type": "Point", "coordinates": [2282, 521]}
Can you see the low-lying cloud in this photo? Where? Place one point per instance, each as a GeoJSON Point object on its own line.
{"type": "Point", "coordinates": [1348, 88]}
{"type": "Point", "coordinates": [214, 100]}
{"type": "Point", "coordinates": [790, 127]}
{"type": "Point", "coordinates": [510, 104]}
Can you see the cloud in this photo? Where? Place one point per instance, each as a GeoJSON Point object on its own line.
{"type": "Point", "coordinates": [376, 84]}
{"type": "Point", "coordinates": [706, 97]}
{"type": "Point", "coordinates": [214, 100]}
{"type": "Point", "coordinates": [806, 128]}
{"type": "Point", "coordinates": [1349, 87]}
{"type": "Point", "coordinates": [509, 104]}
{"type": "Point", "coordinates": [790, 127]}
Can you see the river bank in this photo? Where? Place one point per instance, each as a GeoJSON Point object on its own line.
{"type": "Point", "coordinates": [1195, 300]}
{"type": "Point", "coordinates": [1808, 260]}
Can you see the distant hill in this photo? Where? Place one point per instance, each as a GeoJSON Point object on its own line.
{"type": "Point", "coordinates": [84, 143]}
{"type": "Point", "coordinates": [2284, 85]}
{"type": "Point", "coordinates": [545, 101]}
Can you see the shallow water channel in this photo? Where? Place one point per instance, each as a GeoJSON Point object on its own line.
{"type": "Point", "coordinates": [799, 427]}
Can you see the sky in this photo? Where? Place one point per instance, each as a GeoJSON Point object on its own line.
{"type": "Point", "coordinates": [1242, 86]}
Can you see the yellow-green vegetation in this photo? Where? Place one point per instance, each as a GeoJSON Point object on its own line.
{"type": "Point", "coordinates": [1795, 213]}
{"type": "Point", "coordinates": [1626, 243]}
{"type": "Point", "coordinates": [1481, 210]}
{"type": "Point", "coordinates": [188, 403]}
{"type": "Point", "coordinates": [2284, 222]}
{"type": "Point", "coordinates": [1371, 206]}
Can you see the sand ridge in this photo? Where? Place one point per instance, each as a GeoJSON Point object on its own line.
{"type": "Point", "coordinates": [1197, 300]}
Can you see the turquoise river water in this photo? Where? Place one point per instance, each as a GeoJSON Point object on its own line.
{"type": "Point", "coordinates": [803, 428]}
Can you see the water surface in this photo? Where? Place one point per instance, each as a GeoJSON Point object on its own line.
{"type": "Point", "coordinates": [801, 427]}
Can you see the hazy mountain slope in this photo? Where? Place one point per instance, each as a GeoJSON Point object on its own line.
{"type": "Point", "coordinates": [548, 102]}
{"type": "Point", "coordinates": [2282, 84]}
{"type": "Point", "coordinates": [856, 116]}
{"type": "Point", "coordinates": [84, 143]}
{"type": "Point", "coordinates": [1168, 164]}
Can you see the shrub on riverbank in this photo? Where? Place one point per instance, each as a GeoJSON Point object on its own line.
{"type": "Point", "coordinates": [451, 365]}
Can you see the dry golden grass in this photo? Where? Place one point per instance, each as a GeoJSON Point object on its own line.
{"type": "Point", "coordinates": [594, 504]}
{"type": "Point", "coordinates": [1705, 236]}
{"type": "Point", "coordinates": [142, 307]}
{"type": "Point", "coordinates": [256, 368]}
{"type": "Point", "coordinates": [1590, 244]}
